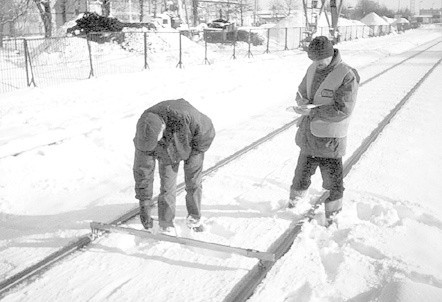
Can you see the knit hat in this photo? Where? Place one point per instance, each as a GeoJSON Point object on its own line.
{"type": "Point", "coordinates": [148, 128]}
{"type": "Point", "coordinates": [320, 48]}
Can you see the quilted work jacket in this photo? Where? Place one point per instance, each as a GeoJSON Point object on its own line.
{"type": "Point", "coordinates": [337, 110]}
{"type": "Point", "coordinates": [187, 132]}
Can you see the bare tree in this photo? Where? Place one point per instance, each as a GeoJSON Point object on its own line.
{"type": "Point", "coordinates": [105, 7]}
{"type": "Point", "coordinates": [283, 7]}
{"type": "Point", "coordinates": [290, 5]}
{"type": "Point", "coordinates": [10, 11]}
{"type": "Point", "coordinates": [244, 6]}
{"type": "Point", "coordinates": [364, 7]}
{"type": "Point", "coordinates": [44, 9]}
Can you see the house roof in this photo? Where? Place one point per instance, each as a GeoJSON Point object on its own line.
{"type": "Point", "coordinates": [373, 19]}
{"type": "Point", "coordinates": [389, 20]}
{"type": "Point", "coordinates": [400, 21]}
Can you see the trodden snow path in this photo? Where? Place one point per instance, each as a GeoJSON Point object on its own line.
{"type": "Point", "coordinates": [240, 203]}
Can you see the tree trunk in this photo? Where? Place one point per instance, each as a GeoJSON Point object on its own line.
{"type": "Point", "coordinates": [241, 10]}
{"type": "Point", "coordinates": [185, 11]}
{"type": "Point", "coordinates": [141, 10]}
{"type": "Point", "coordinates": [105, 8]}
{"type": "Point", "coordinates": [44, 8]}
{"type": "Point", "coordinates": [64, 18]}
{"type": "Point", "coordinates": [195, 12]}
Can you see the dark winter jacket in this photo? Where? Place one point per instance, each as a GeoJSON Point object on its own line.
{"type": "Point", "coordinates": [188, 131]}
{"type": "Point", "coordinates": [344, 98]}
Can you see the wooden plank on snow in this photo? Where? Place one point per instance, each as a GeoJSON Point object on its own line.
{"type": "Point", "coordinates": [251, 253]}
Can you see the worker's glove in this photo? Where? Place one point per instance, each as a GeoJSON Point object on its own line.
{"type": "Point", "coordinates": [302, 101]}
{"type": "Point", "coordinates": [301, 110]}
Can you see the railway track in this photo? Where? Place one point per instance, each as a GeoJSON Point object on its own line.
{"type": "Point", "coordinates": [249, 282]}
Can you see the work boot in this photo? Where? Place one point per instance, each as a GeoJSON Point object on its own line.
{"type": "Point", "coordinates": [330, 217]}
{"type": "Point", "coordinates": [296, 197]}
{"type": "Point", "coordinates": [194, 224]}
{"type": "Point", "coordinates": [167, 230]}
{"type": "Point", "coordinates": [332, 208]}
{"type": "Point", "coordinates": [145, 214]}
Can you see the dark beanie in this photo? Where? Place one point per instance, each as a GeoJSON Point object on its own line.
{"type": "Point", "coordinates": [148, 127]}
{"type": "Point", "coordinates": [320, 48]}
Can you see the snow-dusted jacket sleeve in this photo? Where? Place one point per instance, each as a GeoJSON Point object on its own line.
{"type": "Point", "coordinates": [143, 171]}
{"type": "Point", "coordinates": [344, 100]}
{"type": "Point", "coordinates": [203, 134]}
{"type": "Point", "coordinates": [302, 89]}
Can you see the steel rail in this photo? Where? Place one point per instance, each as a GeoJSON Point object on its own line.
{"type": "Point", "coordinates": [84, 240]}
{"type": "Point", "coordinates": [280, 246]}
{"type": "Point", "coordinates": [246, 286]}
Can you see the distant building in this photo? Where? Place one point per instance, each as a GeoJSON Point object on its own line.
{"type": "Point", "coordinates": [378, 26]}
{"type": "Point", "coordinates": [429, 15]}
{"type": "Point", "coordinates": [269, 16]}
{"type": "Point", "coordinates": [424, 19]}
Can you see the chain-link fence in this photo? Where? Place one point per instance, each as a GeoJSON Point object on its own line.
{"type": "Point", "coordinates": [42, 62]}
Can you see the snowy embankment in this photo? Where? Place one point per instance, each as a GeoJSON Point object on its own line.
{"type": "Point", "coordinates": [76, 167]}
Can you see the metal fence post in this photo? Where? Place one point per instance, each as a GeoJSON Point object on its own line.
{"type": "Point", "coordinates": [146, 66]}
{"type": "Point", "coordinates": [91, 72]}
{"type": "Point", "coordinates": [206, 61]}
{"type": "Point", "coordinates": [300, 37]}
{"type": "Point", "coordinates": [25, 47]}
{"type": "Point", "coordinates": [180, 63]}
{"type": "Point", "coordinates": [285, 47]}
{"type": "Point", "coordinates": [249, 52]}
{"type": "Point", "coordinates": [234, 45]}
{"type": "Point", "coordinates": [28, 61]}
{"type": "Point", "coordinates": [268, 40]}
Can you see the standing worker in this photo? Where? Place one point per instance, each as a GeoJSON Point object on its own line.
{"type": "Point", "coordinates": [325, 99]}
{"type": "Point", "coordinates": [171, 131]}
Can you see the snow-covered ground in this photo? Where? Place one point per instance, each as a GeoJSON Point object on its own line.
{"type": "Point", "coordinates": [66, 156]}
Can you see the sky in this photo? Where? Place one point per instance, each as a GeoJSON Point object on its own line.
{"type": "Point", "coordinates": [66, 160]}
{"type": "Point", "coordinates": [394, 5]}
{"type": "Point", "coordinates": [402, 4]}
